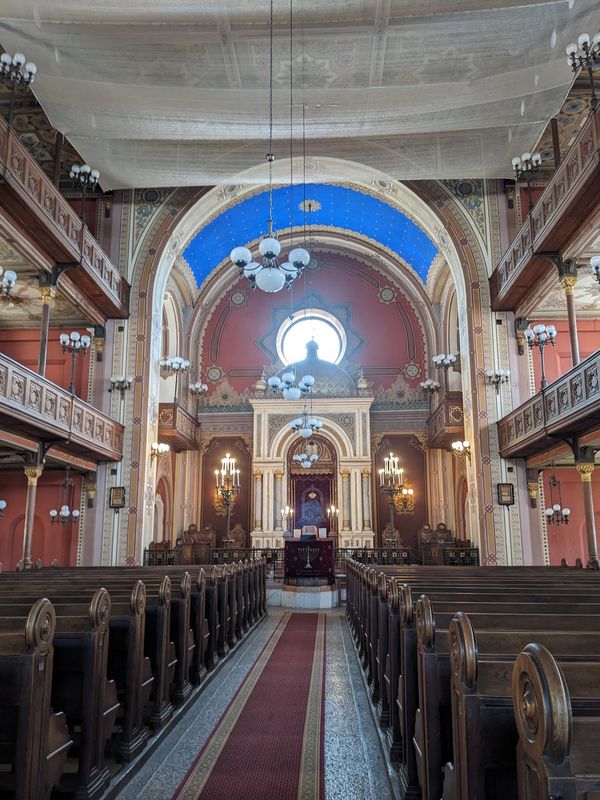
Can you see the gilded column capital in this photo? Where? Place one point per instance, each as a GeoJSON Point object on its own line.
{"type": "Point", "coordinates": [585, 470]}
{"type": "Point", "coordinates": [257, 474]}
{"type": "Point", "coordinates": [278, 473]}
{"type": "Point", "coordinates": [568, 282]}
{"type": "Point", "coordinates": [366, 473]}
{"type": "Point", "coordinates": [533, 489]}
{"type": "Point", "coordinates": [345, 473]}
{"type": "Point", "coordinates": [48, 295]}
{"type": "Point", "coordinates": [33, 474]}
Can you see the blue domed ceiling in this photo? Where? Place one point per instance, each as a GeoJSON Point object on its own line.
{"type": "Point", "coordinates": [332, 206]}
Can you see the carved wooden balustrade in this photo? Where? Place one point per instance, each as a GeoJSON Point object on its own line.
{"type": "Point", "coordinates": [568, 200]}
{"type": "Point", "coordinates": [36, 205]}
{"type": "Point", "coordinates": [446, 423]}
{"type": "Point", "coordinates": [569, 406]}
{"type": "Point", "coordinates": [177, 427]}
{"type": "Point", "coordinates": [34, 406]}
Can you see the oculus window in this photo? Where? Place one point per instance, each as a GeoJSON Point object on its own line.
{"type": "Point", "coordinates": [311, 325]}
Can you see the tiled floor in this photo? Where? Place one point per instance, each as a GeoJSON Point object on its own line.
{"type": "Point", "coordinates": [354, 766]}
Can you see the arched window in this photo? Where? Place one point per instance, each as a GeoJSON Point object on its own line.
{"type": "Point", "coordinates": [311, 324]}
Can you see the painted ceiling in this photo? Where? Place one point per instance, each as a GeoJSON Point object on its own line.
{"type": "Point", "coordinates": [332, 206]}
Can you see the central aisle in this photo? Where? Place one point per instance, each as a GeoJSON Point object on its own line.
{"type": "Point", "coordinates": [255, 732]}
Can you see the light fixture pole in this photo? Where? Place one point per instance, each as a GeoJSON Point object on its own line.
{"type": "Point", "coordinates": [586, 54]}
{"type": "Point", "coordinates": [175, 365]}
{"type": "Point", "coordinates": [526, 167]}
{"type": "Point", "coordinates": [14, 72]}
{"type": "Point", "coordinates": [228, 486]}
{"type": "Point", "coordinates": [76, 344]}
{"type": "Point", "coordinates": [86, 179]}
{"type": "Point", "coordinates": [391, 483]}
{"type": "Point", "coordinates": [539, 337]}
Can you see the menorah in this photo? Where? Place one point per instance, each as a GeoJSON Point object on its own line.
{"type": "Point", "coordinates": [309, 553]}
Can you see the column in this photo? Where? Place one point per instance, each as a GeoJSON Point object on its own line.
{"type": "Point", "coordinates": [278, 475]}
{"type": "Point", "coordinates": [366, 499]}
{"type": "Point", "coordinates": [257, 500]}
{"type": "Point", "coordinates": [568, 283]}
{"type": "Point", "coordinates": [345, 473]}
{"type": "Point", "coordinates": [585, 469]}
{"type": "Point", "coordinates": [32, 474]}
{"type": "Point", "coordinates": [48, 294]}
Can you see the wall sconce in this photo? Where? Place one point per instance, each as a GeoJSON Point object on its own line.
{"type": "Point", "coordinates": [120, 383]}
{"type": "Point", "coordinates": [444, 361]}
{"type": "Point", "coordinates": [462, 449]}
{"type": "Point", "coordinates": [497, 376]}
{"type": "Point", "coordinates": [430, 386]}
{"type": "Point", "coordinates": [175, 365]}
{"type": "Point", "coordinates": [2, 508]}
{"type": "Point", "coordinates": [595, 265]}
{"type": "Point", "coordinates": [159, 449]}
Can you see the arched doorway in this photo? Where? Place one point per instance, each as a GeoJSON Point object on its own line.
{"type": "Point", "coordinates": [312, 489]}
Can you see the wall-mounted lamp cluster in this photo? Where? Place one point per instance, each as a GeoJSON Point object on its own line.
{"type": "Point", "coordinates": [586, 54]}
{"type": "Point", "coordinates": [429, 386]}
{"type": "Point", "coordinates": [595, 265]}
{"type": "Point", "coordinates": [495, 377]}
{"type": "Point", "coordinates": [158, 449]}
{"type": "Point", "coordinates": [444, 360]}
{"type": "Point", "coordinates": [8, 278]}
{"type": "Point", "coordinates": [120, 383]}
{"type": "Point", "coordinates": [2, 508]}
{"type": "Point", "coordinates": [462, 449]}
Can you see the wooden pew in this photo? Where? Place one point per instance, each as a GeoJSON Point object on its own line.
{"type": "Point", "coordinates": [557, 715]}
{"type": "Point", "coordinates": [34, 741]}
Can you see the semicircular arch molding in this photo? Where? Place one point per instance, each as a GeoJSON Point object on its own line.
{"type": "Point", "coordinates": [334, 433]}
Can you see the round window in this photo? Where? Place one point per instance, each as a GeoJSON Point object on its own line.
{"type": "Point", "coordinates": [311, 325]}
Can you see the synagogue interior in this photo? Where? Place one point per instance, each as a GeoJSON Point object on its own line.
{"type": "Point", "coordinates": [299, 400]}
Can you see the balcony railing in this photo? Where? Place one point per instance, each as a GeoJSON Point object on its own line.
{"type": "Point", "coordinates": [567, 407]}
{"type": "Point", "coordinates": [177, 427]}
{"type": "Point", "coordinates": [446, 423]}
{"type": "Point", "coordinates": [567, 201]}
{"type": "Point", "coordinates": [35, 202]}
{"type": "Point", "coordinates": [35, 406]}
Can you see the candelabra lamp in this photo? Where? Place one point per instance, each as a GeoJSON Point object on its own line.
{"type": "Point", "coordinates": [462, 449]}
{"type": "Point", "coordinates": [429, 386]}
{"type": "Point", "coordinates": [158, 449]}
{"type": "Point", "coordinates": [228, 486]}
{"type": "Point", "coordinates": [526, 167]}
{"type": "Point", "coordinates": [556, 514]}
{"type": "Point", "coordinates": [77, 345]}
{"type": "Point", "coordinates": [65, 514]}
{"type": "Point", "coordinates": [443, 360]}
{"type": "Point", "coordinates": [120, 383]}
{"type": "Point", "coordinates": [287, 518]}
{"type": "Point", "coordinates": [391, 482]}
{"type": "Point", "coordinates": [495, 377]}
{"type": "Point", "coordinates": [198, 390]}
{"type": "Point", "coordinates": [308, 456]}
{"type": "Point", "coordinates": [595, 265]}
{"type": "Point", "coordinates": [175, 365]}
{"type": "Point", "coordinates": [2, 508]}
{"type": "Point", "coordinates": [585, 54]}
{"type": "Point", "coordinates": [8, 278]}
{"type": "Point", "coordinates": [333, 515]}
{"type": "Point", "coordinates": [86, 178]}
{"type": "Point", "coordinates": [15, 73]}
{"type": "Point", "coordinates": [540, 336]}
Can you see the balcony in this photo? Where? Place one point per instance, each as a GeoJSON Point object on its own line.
{"type": "Point", "coordinates": [177, 427]}
{"type": "Point", "coordinates": [36, 205]}
{"type": "Point", "coordinates": [568, 407]}
{"type": "Point", "coordinates": [446, 423]}
{"type": "Point", "coordinates": [568, 200]}
{"type": "Point", "coordinates": [36, 407]}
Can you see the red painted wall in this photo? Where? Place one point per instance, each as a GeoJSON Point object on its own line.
{"type": "Point", "coordinates": [569, 541]}
{"type": "Point", "coordinates": [558, 358]}
{"type": "Point", "coordinates": [49, 541]}
{"type": "Point", "coordinates": [233, 333]}
{"type": "Point", "coordinates": [22, 344]}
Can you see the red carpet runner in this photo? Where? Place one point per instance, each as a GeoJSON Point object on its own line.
{"type": "Point", "coordinates": [268, 745]}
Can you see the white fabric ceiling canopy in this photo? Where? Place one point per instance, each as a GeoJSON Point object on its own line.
{"type": "Point", "coordinates": [157, 93]}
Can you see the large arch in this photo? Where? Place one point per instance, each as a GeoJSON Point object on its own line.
{"type": "Point", "coordinates": [168, 233]}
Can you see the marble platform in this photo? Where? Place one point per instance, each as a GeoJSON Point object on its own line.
{"type": "Point", "coordinates": [306, 597]}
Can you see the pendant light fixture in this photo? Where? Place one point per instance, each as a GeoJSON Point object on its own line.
{"type": "Point", "coordinates": [267, 272]}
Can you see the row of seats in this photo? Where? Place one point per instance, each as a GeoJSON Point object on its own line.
{"type": "Point", "coordinates": [486, 680]}
{"type": "Point", "coordinates": [93, 661]}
